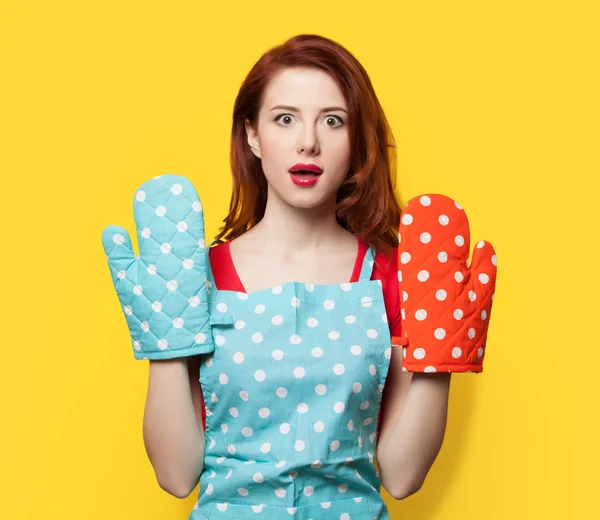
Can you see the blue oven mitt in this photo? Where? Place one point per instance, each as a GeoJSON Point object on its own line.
{"type": "Point", "coordinates": [163, 293]}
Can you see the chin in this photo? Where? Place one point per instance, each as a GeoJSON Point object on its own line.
{"type": "Point", "coordinates": [303, 198]}
{"type": "Point", "coordinates": [308, 201]}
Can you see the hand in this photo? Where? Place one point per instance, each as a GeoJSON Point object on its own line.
{"type": "Point", "coordinates": [445, 305]}
{"type": "Point", "coordinates": [163, 293]}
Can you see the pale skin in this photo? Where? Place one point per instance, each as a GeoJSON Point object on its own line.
{"type": "Point", "coordinates": [300, 240]}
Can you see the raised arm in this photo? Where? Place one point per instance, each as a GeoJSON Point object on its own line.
{"type": "Point", "coordinates": [173, 432]}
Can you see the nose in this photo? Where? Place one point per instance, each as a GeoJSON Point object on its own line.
{"type": "Point", "coordinates": [307, 140]}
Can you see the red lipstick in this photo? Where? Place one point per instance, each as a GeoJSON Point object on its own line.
{"type": "Point", "coordinates": [305, 174]}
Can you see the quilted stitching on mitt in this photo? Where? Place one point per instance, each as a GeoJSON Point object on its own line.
{"type": "Point", "coordinates": [445, 305]}
{"type": "Point", "coordinates": [163, 292]}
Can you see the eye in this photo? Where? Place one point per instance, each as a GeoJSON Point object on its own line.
{"type": "Point", "coordinates": [289, 117]}
{"type": "Point", "coordinates": [281, 116]}
{"type": "Point", "coordinates": [335, 117]}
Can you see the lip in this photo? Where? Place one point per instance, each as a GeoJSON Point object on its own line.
{"type": "Point", "coordinates": [303, 180]}
{"type": "Point", "coordinates": [306, 167]}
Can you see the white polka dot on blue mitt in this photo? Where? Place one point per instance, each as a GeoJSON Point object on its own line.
{"type": "Point", "coordinates": [163, 292]}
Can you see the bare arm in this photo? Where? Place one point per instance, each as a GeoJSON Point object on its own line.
{"type": "Point", "coordinates": [412, 427]}
{"type": "Point", "coordinates": [173, 433]}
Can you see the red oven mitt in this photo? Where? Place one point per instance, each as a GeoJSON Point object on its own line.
{"type": "Point", "coordinates": [445, 304]}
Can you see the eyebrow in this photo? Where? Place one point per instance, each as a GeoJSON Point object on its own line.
{"type": "Point", "coordinates": [295, 109]}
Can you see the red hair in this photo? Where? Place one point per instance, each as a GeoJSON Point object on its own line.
{"type": "Point", "coordinates": [366, 204]}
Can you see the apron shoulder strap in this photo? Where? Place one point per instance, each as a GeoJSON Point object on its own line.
{"type": "Point", "coordinates": [366, 271]}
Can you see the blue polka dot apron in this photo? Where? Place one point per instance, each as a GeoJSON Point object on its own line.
{"type": "Point", "coordinates": [292, 393]}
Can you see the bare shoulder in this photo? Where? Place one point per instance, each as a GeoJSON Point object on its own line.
{"type": "Point", "coordinates": [348, 242]}
{"type": "Point", "coordinates": [247, 243]}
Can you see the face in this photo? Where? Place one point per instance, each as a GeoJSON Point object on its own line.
{"type": "Point", "coordinates": [303, 119]}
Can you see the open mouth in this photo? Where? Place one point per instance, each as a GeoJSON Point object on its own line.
{"type": "Point", "coordinates": [304, 178]}
{"type": "Point", "coordinates": [306, 169]}
{"type": "Point", "coordinates": [306, 173]}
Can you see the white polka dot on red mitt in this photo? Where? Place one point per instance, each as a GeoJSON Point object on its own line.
{"type": "Point", "coordinates": [445, 304]}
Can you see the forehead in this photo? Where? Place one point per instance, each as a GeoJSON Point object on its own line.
{"type": "Point", "coordinates": [303, 87]}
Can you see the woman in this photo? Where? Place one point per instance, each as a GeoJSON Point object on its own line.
{"type": "Point", "coordinates": [289, 403]}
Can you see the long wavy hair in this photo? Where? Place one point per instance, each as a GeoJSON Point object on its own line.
{"type": "Point", "coordinates": [366, 204]}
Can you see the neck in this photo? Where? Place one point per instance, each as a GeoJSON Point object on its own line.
{"type": "Point", "coordinates": [299, 230]}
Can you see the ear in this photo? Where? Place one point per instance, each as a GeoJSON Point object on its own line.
{"type": "Point", "coordinates": [252, 136]}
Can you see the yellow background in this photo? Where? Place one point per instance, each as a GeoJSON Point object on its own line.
{"type": "Point", "coordinates": [493, 103]}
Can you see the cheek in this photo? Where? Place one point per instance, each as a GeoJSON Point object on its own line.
{"type": "Point", "coordinates": [274, 142]}
{"type": "Point", "coordinates": [274, 156]}
{"type": "Point", "coordinates": [340, 141]}
{"type": "Point", "coordinates": [341, 152]}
